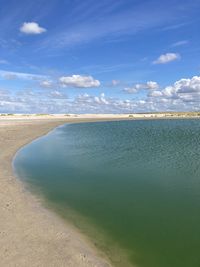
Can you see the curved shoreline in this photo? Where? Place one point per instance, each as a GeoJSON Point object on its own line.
{"type": "Point", "coordinates": [30, 235]}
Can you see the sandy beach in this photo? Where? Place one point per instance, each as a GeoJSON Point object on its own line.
{"type": "Point", "coordinates": [29, 234]}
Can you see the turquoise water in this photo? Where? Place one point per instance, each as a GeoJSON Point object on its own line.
{"type": "Point", "coordinates": [132, 186]}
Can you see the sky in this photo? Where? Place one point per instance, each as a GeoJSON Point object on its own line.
{"type": "Point", "coordinates": [108, 56]}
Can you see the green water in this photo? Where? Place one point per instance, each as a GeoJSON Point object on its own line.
{"type": "Point", "coordinates": [136, 184]}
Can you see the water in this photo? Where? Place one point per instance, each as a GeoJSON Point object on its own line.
{"type": "Point", "coordinates": [132, 186]}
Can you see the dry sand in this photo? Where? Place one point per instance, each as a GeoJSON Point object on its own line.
{"type": "Point", "coordinates": [29, 234]}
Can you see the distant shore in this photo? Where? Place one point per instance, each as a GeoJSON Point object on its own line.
{"type": "Point", "coordinates": [93, 117]}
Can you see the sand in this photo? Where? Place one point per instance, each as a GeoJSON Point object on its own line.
{"type": "Point", "coordinates": [30, 235]}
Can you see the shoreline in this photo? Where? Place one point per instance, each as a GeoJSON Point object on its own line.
{"type": "Point", "coordinates": [30, 234]}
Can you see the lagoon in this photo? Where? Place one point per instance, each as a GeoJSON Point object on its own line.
{"type": "Point", "coordinates": [133, 187]}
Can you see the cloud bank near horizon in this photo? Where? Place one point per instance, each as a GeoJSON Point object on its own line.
{"type": "Point", "coordinates": [183, 95]}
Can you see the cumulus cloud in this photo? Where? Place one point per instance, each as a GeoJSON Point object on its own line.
{"type": "Point", "coordinates": [32, 28]}
{"type": "Point", "coordinates": [166, 58]}
{"type": "Point", "coordinates": [79, 81]}
{"type": "Point", "coordinates": [131, 90]}
{"type": "Point", "coordinates": [46, 84]}
{"type": "Point", "coordinates": [55, 101]}
{"type": "Point", "coordinates": [183, 86]}
{"type": "Point", "coordinates": [101, 104]}
{"type": "Point", "coordinates": [86, 98]}
{"type": "Point", "coordinates": [57, 95]}
{"type": "Point", "coordinates": [183, 95]}
{"type": "Point", "coordinates": [155, 93]}
{"type": "Point", "coordinates": [150, 85]}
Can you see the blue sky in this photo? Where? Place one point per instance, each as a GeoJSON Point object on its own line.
{"type": "Point", "coordinates": [105, 56]}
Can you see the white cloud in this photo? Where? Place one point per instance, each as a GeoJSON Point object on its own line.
{"type": "Point", "coordinates": [101, 104]}
{"type": "Point", "coordinates": [183, 86]}
{"type": "Point", "coordinates": [32, 28]}
{"type": "Point", "coordinates": [46, 84]}
{"type": "Point", "coordinates": [180, 43]}
{"type": "Point", "coordinates": [166, 58]}
{"type": "Point", "coordinates": [155, 93]}
{"type": "Point", "coordinates": [4, 95]}
{"type": "Point", "coordinates": [150, 85]}
{"type": "Point", "coordinates": [183, 95]}
{"type": "Point", "coordinates": [58, 95]}
{"type": "Point", "coordinates": [101, 99]}
{"type": "Point", "coordinates": [131, 90]}
{"type": "Point", "coordinates": [12, 75]}
{"type": "Point", "coordinates": [79, 81]}
{"type": "Point", "coordinates": [115, 82]}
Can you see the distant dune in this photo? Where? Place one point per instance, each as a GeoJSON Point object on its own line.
{"type": "Point", "coordinates": [155, 115]}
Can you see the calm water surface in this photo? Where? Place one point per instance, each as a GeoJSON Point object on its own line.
{"type": "Point", "coordinates": [133, 186]}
